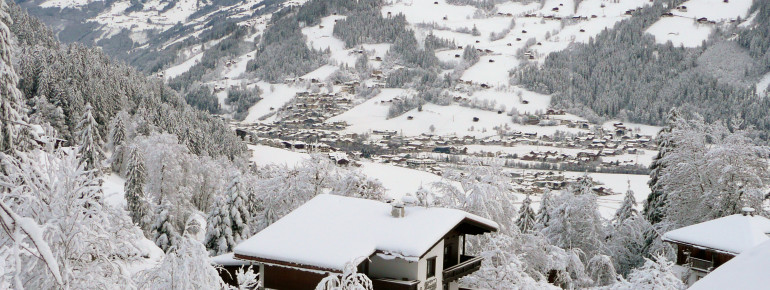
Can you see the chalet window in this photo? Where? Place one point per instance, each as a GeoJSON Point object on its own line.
{"type": "Point", "coordinates": [431, 267]}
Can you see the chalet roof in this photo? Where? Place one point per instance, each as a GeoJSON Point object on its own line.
{"type": "Point", "coordinates": [746, 271]}
{"type": "Point", "coordinates": [330, 230]}
{"type": "Point", "coordinates": [731, 234]}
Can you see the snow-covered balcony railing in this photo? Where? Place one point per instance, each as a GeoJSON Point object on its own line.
{"type": "Point", "coordinates": [385, 283]}
{"type": "Point", "coordinates": [467, 265]}
{"type": "Point", "coordinates": [701, 264]}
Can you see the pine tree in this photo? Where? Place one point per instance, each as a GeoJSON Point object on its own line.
{"type": "Point", "coordinates": [654, 206]}
{"type": "Point", "coordinates": [164, 233]}
{"type": "Point", "coordinates": [627, 208]}
{"type": "Point", "coordinates": [543, 214]}
{"type": "Point", "coordinates": [11, 106]}
{"type": "Point", "coordinates": [117, 140]}
{"type": "Point", "coordinates": [89, 141]}
{"type": "Point", "coordinates": [527, 218]}
{"type": "Point", "coordinates": [228, 220]}
{"type": "Point", "coordinates": [137, 204]}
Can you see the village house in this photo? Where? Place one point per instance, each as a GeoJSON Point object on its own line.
{"type": "Point", "coordinates": [703, 247]}
{"type": "Point", "coordinates": [396, 246]}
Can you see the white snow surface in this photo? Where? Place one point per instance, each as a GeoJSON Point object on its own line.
{"type": "Point", "coordinates": [680, 31]}
{"type": "Point", "coordinates": [265, 155]}
{"type": "Point", "coordinates": [762, 84]}
{"type": "Point", "coordinates": [228, 259]}
{"type": "Point", "coordinates": [274, 96]}
{"type": "Point", "coordinates": [732, 234]}
{"type": "Point", "coordinates": [329, 231]}
{"type": "Point", "coordinates": [183, 67]}
{"type": "Point", "coordinates": [747, 271]}
{"type": "Point", "coordinates": [716, 10]}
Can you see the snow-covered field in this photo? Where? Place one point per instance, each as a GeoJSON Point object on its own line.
{"type": "Point", "coordinates": [683, 29]}
{"type": "Point", "coordinates": [445, 120]}
{"type": "Point", "coordinates": [115, 196]}
{"type": "Point", "coordinates": [680, 31]}
{"type": "Point", "coordinates": [274, 96]}
{"type": "Point", "coordinates": [762, 84]}
{"type": "Point", "coordinates": [397, 181]}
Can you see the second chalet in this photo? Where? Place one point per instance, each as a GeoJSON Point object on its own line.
{"type": "Point", "coordinates": [703, 247]}
{"type": "Point", "coordinates": [408, 247]}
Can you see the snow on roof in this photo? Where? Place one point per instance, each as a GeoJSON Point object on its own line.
{"type": "Point", "coordinates": [330, 230]}
{"type": "Point", "coordinates": [228, 259]}
{"type": "Point", "coordinates": [746, 271]}
{"type": "Point", "coordinates": [732, 234]}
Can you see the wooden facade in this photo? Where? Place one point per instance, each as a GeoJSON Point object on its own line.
{"type": "Point", "coordinates": [700, 259]}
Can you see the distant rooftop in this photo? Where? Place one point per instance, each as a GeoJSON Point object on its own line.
{"type": "Point", "coordinates": [330, 230]}
{"type": "Point", "coordinates": [731, 234]}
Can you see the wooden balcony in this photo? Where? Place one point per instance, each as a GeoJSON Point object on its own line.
{"type": "Point", "coordinates": [701, 265]}
{"type": "Point", "coordinates": [467, 265]}
{"type": "Point", "coordinates": [385, 283]}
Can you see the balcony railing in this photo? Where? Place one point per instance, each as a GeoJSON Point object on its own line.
{"type": "Point", "coordinates": [385, 283]}
{"type": "Point", "coordinates": [701, 265]}
{"type": "Point", "coordinates": [467, 265]}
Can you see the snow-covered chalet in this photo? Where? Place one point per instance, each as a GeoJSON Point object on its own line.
{"type": "Point", "coordinates": [398, 247]}
{"type": "Point", "coordinates": [703, 247]}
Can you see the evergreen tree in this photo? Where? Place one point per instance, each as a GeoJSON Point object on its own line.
{"type": "Point", "coordinates": [11, 106]}
{"type": "Point", "coordinates": [627, 208]}
{"type": "Point", "coordinates": [117, 139]}
{"type": "Point", "coordinates": [654, 206]}
{"type": "Point", "coordinates": [164, 233]}
{"type": "Point", "coordinates": [138, 207]}
{"type": "Point", "coordinates": [227, 223]}
{"type": "Point", "coordinates": [90, 142]}
{"type": "Point", "coordinates": [543, 214]}
{"type": "Point", "coordinates": [527, 218]}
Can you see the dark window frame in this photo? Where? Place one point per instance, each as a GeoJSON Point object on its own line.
{"type": "Point", "coordinates": [431, 271]}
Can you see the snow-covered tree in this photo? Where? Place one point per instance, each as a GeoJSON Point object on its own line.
{"type": "Point", "coordinates": [543, 218]}
{"type": "Point", "coordinates": [117, 140]}
{"type": "Point", "coordinates": [628, 243]}
{"type": "Point", "coordinates": [227, 222]}
{"type": "Point", "coordinates": [658, 274]}
{"type": "Point", "coordinates": [575, 222]}
{"type": "Point", "coordinates": [484, 190]}
{"type": "Point", "coordinates": [185, 266]}
{"type": "Point", "coordinates": [91, 242]}
{"type": "Point", "coordinates": [349, 280]}
{"type": "Point", "coordinates": [711, 173]}
{"type": "Point", "coordinates": [627, 208]}
{"type": "Point", "coordinates": [654, 206]}
{"type": "Point", "coordinates": [502, 267]}
{"type": "Point", "coordinates": [602, 270]}
{"type": "Point", "coordinates": [90, 149]}
{"type": "Point", "coordinates": [164, 233]}
{"type": "Point", "coordinates": [136, 202]}
{"type": "Point", "coordinates": [527, 218]}
{"type": "Point", "coordinates": [11, 103]}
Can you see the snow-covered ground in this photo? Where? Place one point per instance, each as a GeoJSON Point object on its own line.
{"type": "Point", "coordinates": [683, 29]}
{"type": "Point", "coordinates": [642, 129]}
{"type": "Point", "coordinates": [274, 96]}
{"type": "Point", "coordinates": [183, 67]}
{"type": "Point", "coordinates": [762, 84]}
{"type": "Point", "coordinates": [266, 155]}
{"type": "Point", "coordinates": [397, 181]}
{"type": "Point", "coordinates": [114, 195]}
{"type": "Point", "coordinates": [445, 120]}
{"type": "Point", "coordinates": [717, 10]}
{"type": "Point", "coordinates": [680, 31]}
